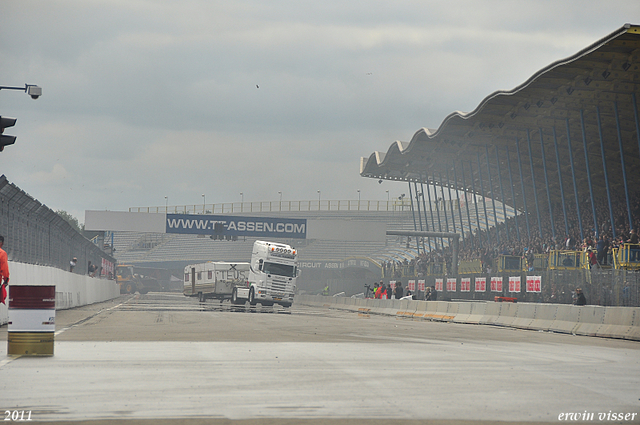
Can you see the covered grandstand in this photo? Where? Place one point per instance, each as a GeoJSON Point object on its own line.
{"type": "Point", "coordinates": [562, 149]}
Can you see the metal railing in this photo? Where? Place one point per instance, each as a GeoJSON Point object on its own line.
{"type": "Point", "coordinates": [35, 234]}
{"type": "Point", "coordinates": [278, 206]}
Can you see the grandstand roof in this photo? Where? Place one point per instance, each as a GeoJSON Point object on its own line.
{"type": "Point", "coordinates": [588, 93]}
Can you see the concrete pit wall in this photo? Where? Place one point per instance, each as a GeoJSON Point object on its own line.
{"type": "Point", "coordinates": [610, 322]}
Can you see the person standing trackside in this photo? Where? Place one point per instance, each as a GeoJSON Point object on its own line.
{"type": "Point", "coordinates": [580, 298]}
{"type": "Point", "coordinates": [72, 264]}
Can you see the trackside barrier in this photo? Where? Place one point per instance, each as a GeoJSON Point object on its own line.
{"type": "Point", "coordinates": [566, 320]}
{"type": "Point", "coordinates": [618, 321]}
{"type": "Point", "coordinates": [491, 314]}
{"type": "Point", "coordinates": [524, 315]}
{"type": "Point", "coordinates": [507, 314]}
{"type": "Point", "coordinates": [477, 311]}
{"type": "Point", "coordinates": [590, 320]}
{"type": "Point", "coordinates": [71, 289]}
{"type": "Point", "coordinates": [611, 322]}
{"type": "Point", "coordinates": [463, 313]}
{"type": "Point", "coordinates": [545, 314]}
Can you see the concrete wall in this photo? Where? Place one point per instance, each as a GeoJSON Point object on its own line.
{"type": "Point", "coordinates": [610, 322]}
{"type": "Point", "coordinates": [72, 290]}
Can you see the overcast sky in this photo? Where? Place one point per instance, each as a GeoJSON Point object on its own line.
{"type": "Point", "coordinates": [147, 99]}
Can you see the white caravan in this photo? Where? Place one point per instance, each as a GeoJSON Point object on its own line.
{"type": "Point", "coordinates": [214, 279]}
{"type": "Point", "coordinates": [272, 275]}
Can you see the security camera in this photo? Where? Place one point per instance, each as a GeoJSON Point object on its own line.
{"type": "Point", "coordinates": [380, 181]}
{"type": "Point", "coordinates": [34, 91]}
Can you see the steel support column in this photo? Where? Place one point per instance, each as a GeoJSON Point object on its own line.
{"type": "Point", "coordinates": [504, 204]}
{"type": "Point", "coordinates": [546, 183]}
{"type": "Point", "coordinates": [415, 225]}
{"type": "Point", "coordinates": [624, 171]}
{"type": "Point", "coordinates": [455, 177]}
{"type": "Point", "coordinates": [484, 201]}
{"type": "Point", "coordinates": [513, 195]}
{"type": "Point", "coordinates": [573, 175]}
{"type": "Point", "coordinates": [524, 197]}
{"type": "Point", "coordinates": [466, 203]}
{"type": "Point", "coordinates": [606, 175]}
{"type": "Point", "coordinates": [433, 224]}
{"type": "Point", "coordinates": [453, 215]}
{"type": "Point", "coordinates": [586, 158]}
{"type": "Point", "coordinates": [635, 114]}
{"type": "Point", "coordinates": [533, 181]}
{"type": "Point", "coordinates": [424, 207]}
{"type": "Point", "coordinates": [475, 199]}
{"type": "Point", "coordinates": [564, 208]}
{"type": "Point", "coordinates": [415, 187]}
{"type": "Point", "coordinates": [493, 196]}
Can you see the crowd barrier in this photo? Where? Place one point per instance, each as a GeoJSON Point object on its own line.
{"type": "Point", "coordinates": [72, 290]}
{"type": "Point", "coordinates": [609, 322]}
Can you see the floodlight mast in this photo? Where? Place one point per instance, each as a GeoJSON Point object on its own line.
{"type": "Point", "coordinates": [31, 89]}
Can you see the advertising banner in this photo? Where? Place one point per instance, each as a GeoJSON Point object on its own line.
{"type": "Point", "coordinates": [439, 284]}
{"type": "Point", "coordinates": [496, 284]}
{"type": "Point", "coordinates": [411, 285]}
{"type": "Point", "coordinates": [465, 284]}
{"type": "Point", "coordinates": [257, 227]}
{"type": "Point", "coordinates": [452, 282]}
{"type": "Point", "coordinates": [514, 284]}
{"type": "Point", "coordinates": [421, 285]}
{"type": "Point", "coordinates": [534, 284]}
{"type": "Point", "coordinates": [481, 284]}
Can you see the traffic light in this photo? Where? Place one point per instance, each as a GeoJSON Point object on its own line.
{"type": "Point", "coordinates": [6, 140]}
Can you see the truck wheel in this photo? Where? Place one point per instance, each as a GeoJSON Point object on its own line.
{"type": "Point", "coordinates": [234, 296]}
{"type": "Point", "coordinates": [252, 297]}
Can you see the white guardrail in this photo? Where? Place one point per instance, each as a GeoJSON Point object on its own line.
{"type": "Point", "coordinates": [72, 290]}
{"type": "Point", "coordinates": [608, 322]}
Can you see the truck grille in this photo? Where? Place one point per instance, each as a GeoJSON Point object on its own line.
{"type": "Point", "coordinates": [278, 286]}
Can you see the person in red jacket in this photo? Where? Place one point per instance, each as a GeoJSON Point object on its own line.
{"type": "Point", "coordinates": [4, 271]}
{"type": "Point", "coordinates": [381, 289]}
{"type": "Point", "coordinates": [4, 264]}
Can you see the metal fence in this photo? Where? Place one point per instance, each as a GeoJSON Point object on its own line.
{"type": "Point", "coordinates": [35, 234]}
{"type": "Point", "coordinates": [606, 287]}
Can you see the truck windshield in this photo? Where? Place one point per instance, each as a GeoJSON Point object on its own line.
{"type": "Point", "coordinates": [279, 269]}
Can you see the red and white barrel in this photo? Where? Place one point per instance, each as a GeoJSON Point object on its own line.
{"type": "Point", "coordinates": [32, 320]}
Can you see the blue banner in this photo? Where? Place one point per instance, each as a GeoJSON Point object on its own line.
{"type": "Point", "coordinates": [231, 225]}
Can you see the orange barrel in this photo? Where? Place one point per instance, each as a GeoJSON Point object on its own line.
{"type": "Point", "coordinates": [32, 320]}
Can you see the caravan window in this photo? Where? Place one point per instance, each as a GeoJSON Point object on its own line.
{"type": "Point", "coordinates": [186, 277]}
{"type": "Point", "coordinates": [210, 275]}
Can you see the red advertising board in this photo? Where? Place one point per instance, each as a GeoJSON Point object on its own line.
{"type": "Point", "coordinates": [439, 284]}
{"type": "Point", "coordinates": [465, 284]}
{"type": "Point", "coordinates": [534, 284]}
{"type": "Point", "coordinates": [481, 284]}
{"type": "Point", "coordinates": [514, 284]}
{"type": "Point", "coordinates": [411, 285]}
{"type": "Point", "coordinates": [496, 284]}
{"type": "Point", "coordinates": [452, 282]}
{"type": "Point", "coordinates": [421, 285]}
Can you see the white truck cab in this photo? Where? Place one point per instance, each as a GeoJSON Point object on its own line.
{"type": "Point", "coordinates": [272, 275]}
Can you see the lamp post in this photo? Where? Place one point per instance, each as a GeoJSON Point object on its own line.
{"type": "Point", "coordinates": [204, 203]}
{"type": "Point", "coordinates": [241, 201]}
{"type": "Point", "coordinates": [166, 204]}
{"type": "Point", "coordinates": [280, 193]}
{"type": "Point", "coordinates": [318, 200]}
